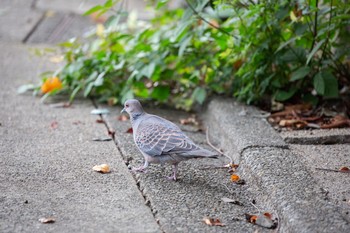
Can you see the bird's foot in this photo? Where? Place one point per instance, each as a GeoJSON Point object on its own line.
{"type": "Point", "coordinates": [141, 169]}
{"type": "Point", "coordinates": [172, 177]}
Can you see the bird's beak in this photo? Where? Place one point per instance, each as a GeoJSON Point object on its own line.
{"type": "Point", "coordinates": [123, 110]}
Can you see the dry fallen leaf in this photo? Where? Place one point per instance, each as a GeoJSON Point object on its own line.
{"type": "Point", "coordinates": [103, 168]}
{"type": "Point", "coordinates": [344, 169]}
{"type": "Point", "coordinates": [268, 215]}
{"type": "Point", "coordinates": [213, 222]}
{"type": "Point", "coordinates": [263, 220]}
{"type": "Point", "coordinates": [47, 220]}
{"type": "Point", "coordinates": [189, 121]}
{"type": "Point", "coordinates": [54, 125]}
{"type": "Point", "coordinates": [100, 121]}
{"type": "Point", "coordinates": [123, 118]}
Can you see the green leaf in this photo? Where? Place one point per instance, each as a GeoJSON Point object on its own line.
{"type": "Point", "coordinates": [286, 43]}
{"type": "Point", "coordinates": [183, 45]}
{"type": "Point", "coordinates": [300, 73]}
{"type": "Point", "coordinates": [199, 94]}
{"type": "Point", "coordinates": [332, 89]}
{"type": "Point", "coordinates": [74, 93]}
{"type": "Point", "coordinates": [24, 88]}
{"type": "Point", "coordinates": [161, 3]}
{"type": "Point", "coordinates": [314, 50]}
{"type": "Point", "coordinates": [285, 95]}
{"type": "Point", "coordinates": [99, 79]}
{"type": "Point", "coordinates": [88, 89]}
{"type": "Point", "coordinates": [161, 92]}
{"type": "Point", "coordinates": [148, 70]}
{"type": "Point", "coordinates": [319, 83]}
{"type": "Point", "coordinates": [326, 84]}
{"type": "Point", "coordinates": [93, 10]}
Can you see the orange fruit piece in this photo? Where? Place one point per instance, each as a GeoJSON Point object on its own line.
{"type": "Point", "coordinates": [51, 84]}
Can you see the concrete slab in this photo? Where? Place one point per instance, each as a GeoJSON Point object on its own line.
{"type": "Point", "coordinates": [286, 184]}
{"type": "Point", "coordinates": [59, 27]}
{"type": "Point", "coordinates": [334, 186]}
{"type": "Point", "coordinates": [73, 6]}
{"type": "Point", "coordinates": [80, 6]}
{"type": "Point", "coordinates": [279, 178]}
{"type": "Point", "coordinates": [17, 19]}
{"type": "Point", "coordinates": [237, 127]}
{"type": "Point", "coordinates": [320, 136]}
{"type": "Point", "coordinates": [46, 159]}
{"type": "Point", "coordinates": [181, 206]}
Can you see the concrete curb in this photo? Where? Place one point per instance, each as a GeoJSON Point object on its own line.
{"type": "Point", "coordinates": [268, 165]}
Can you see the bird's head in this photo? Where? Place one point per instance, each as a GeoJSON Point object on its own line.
{"type": "Point", "coordinates": [133, 108]}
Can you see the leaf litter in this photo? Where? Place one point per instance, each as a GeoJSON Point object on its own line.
{"type": "Point", "coordinates": [304, 116]}
{"type": "Point", "coordinates": [103, 168]}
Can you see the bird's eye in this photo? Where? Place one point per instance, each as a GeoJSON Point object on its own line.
{"type": "Point", "coordinates": [127, 105]}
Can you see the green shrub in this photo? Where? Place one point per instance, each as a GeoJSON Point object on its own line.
{"type": "Point", "coordinates": [271, 49]}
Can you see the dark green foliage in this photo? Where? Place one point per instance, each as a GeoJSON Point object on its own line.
{"type": "Point", "coordinates": [276, 49]}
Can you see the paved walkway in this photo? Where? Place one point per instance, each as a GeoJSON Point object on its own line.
{"type": "Point", "coordinates": [47, 155]}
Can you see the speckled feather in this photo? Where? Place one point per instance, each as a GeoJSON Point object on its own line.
{"type": "Point", "coordinates": [161, 141]}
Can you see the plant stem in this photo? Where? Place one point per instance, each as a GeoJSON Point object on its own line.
{"type": "Point", "coordinates": [214, 26]}
{"type": "Point", "coordinates": [315, 27]}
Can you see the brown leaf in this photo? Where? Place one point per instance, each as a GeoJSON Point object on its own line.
{"type": "Point", "coordinates": [123, 118]}
{"type": "Point", "coordinates": [100, 121]}
{"type": "Point", "coordinates": [213, 222]}
{"type": "Point", "coordinates": [337, 122]}
{"type": "Point", "coordinates": [263, 220]}
{"type": "Point", "coordinates": [344, 169]}
{"type": "Point", "coordinates": [103, 168]}
{"type": "Point", "coordinates": [268, 215]}
{"type": "Point", "coordinates": [47, 220]}
{"type": "Point", "coordinates": [189, 121]}
{"type": "Point", "coordinates": [129, 131]}
{"type": "Point", "coordinates": [251, 218]}
{"type": "Point", "coordinates": [54, 125]}
{"type": "Point", "coordinates": [293, 123]}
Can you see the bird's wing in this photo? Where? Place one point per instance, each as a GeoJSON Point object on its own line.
{"type": "Point", "coordinates": [157, 136]}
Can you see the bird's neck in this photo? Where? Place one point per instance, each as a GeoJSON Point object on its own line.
{"type": "Point", "coordinates": [136, 116]}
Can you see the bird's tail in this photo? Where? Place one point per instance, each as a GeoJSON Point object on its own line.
{"type": "Point", "coordinates": [202, 153]}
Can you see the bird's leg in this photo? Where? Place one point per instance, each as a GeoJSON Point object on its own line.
{"type": "Point", "coordinates": [141, 168]}
{"type": "Point", "coordinates": [173, 177]}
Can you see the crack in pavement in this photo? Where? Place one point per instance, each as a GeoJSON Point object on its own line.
{"type": "Point", "coordinates": [111, 132]}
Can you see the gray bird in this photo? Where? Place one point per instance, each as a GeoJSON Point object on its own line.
{"type": "Point", "coordinates": [161, 141]}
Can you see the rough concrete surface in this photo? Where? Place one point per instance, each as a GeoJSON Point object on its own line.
{"type": "Point", "coordinates": [72, 6]}
{"type": "Point", "coordinates": [287, 185]}
{"type": "Point", "coordinates": [333, 185]}
{"type": "Point", "coordinates": [285, 182]}
{"type": "Point", "coordinates": [320, 136]}
{"type": "Point", "coordinates": [17, 19]}
{"type": "Point", "coordinates": [58, 27]}
{"type": "Point", "coordinates": [239, 127]}
{"type": "Point", "coordinates": [46, 158]}
{"type": "Point", "coordinates": [181, 206]}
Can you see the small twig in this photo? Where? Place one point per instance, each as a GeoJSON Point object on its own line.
{"type": "Point", "coordinates": [216, 149]}
{"type": "Point", "coordinates": [255, 207]}
{"type": "Point", "coordinates": [214, 26]}
{"type": "Point", "coordinates": [230, 191]}
{"type": "Point", "coordinates": [213, 167]}
{"type": "Point", "coordinates": [331, 170]}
